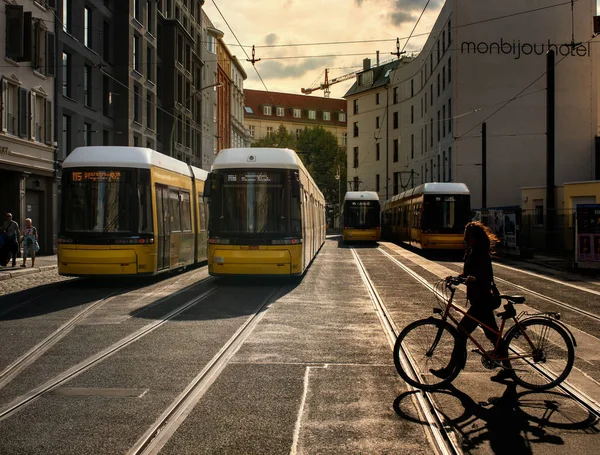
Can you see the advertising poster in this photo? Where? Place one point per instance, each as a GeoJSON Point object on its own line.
{"type": "Point", "coordinates": [510, 230]}
{"type": "Point", "coordinates": [588, 235]}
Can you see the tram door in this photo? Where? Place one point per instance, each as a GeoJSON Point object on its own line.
{"type": "Point", "coordinates": [164, 228]}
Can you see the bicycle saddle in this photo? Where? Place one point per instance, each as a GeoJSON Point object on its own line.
{"type": "Point", "coordinates": [513, 298]}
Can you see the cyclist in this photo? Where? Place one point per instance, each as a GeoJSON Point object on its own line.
{"type": "Point", "coordinates": [479, 275]}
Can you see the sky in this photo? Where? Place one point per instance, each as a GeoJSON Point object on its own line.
{"type": "Point", "coordinates": [292, 29]}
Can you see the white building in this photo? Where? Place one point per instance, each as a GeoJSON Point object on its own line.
{"type": "Point", "coordinates": [239, 136]}
{"type": "Point", "coordinates": [484, 61]}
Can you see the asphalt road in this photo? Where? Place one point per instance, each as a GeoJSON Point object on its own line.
{"type": "Point", "coordinates": [186, 363]}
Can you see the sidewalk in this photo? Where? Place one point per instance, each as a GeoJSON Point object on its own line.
{"type": "Point", "coordinates": [41, 263]}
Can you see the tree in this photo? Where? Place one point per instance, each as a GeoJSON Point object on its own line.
{"type": "Point", "coordinates": [280, 139]}
{"type": "Point", "coordinates": [321, 155]}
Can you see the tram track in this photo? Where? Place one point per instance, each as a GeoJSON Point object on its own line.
{"type": "Point", "coordinates": [167, 424]}
{"type": "Point", "coordinates": [86, 364]}
{"type": "Point", "coordinates": [582, 399]}
{"type": "Point", "coordinates": [443, 440]}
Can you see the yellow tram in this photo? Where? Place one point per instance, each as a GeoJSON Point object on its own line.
{"type": "Point", "coordinates": [130, 211]}
{"type": "Point", "coordinates": [360, 217]}
{"type": "Point", "coordinates": [429, 216]}
{"type": "Point", "coordinates": [267, 215]}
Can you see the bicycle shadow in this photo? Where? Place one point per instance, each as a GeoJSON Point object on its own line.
{"type": "Point", "coordinates": [511, 423]}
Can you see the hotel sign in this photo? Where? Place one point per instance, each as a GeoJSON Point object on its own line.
{"type": "Point", "coordinates": [517, 49]}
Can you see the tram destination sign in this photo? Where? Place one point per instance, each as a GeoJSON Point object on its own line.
{"type": "Point", "coordinates": [95, 176]}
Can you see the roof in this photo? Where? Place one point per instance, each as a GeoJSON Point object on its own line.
{"type": "Point", "coordinates": [256, 99]}
{"type": "Point", "coordinates": [361, 195]}
{"type": "Point", "coordinates": [381, 77]}
{"type": "Point", "coordinates": [131, 157]}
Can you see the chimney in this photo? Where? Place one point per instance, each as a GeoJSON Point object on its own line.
{"type": "Point", "coordinates": [366, 64]}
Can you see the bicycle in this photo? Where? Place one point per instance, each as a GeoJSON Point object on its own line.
{"type": "Point", "coordinates": [537, 351]}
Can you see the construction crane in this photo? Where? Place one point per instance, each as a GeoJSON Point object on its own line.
{"type": "Point", "coordinates": [325, 85]}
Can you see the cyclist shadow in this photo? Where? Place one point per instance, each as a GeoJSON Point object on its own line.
{"type": "Point", "coordinates": [510, 423]}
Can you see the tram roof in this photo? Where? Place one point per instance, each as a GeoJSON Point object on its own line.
{"type": "Point", "coordinates": [361, 195]}
{"type": "Point", "coordinates": [259, 157]}
{"type": "Point", "coordinates": [132, 157]}
{"type": "Point", "coordinates": [432, 188]}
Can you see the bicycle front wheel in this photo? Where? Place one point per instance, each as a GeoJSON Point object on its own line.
{"type": "Point", "coordinates": [423, 354]}
{"type": "Point", "coordinates": [541, 353]}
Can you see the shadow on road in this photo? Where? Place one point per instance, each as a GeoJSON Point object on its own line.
{"type": "Point", "coordinates": [511, 423]}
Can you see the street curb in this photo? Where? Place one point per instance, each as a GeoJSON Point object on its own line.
{"type": "Point", "coordinates": [30, 271]}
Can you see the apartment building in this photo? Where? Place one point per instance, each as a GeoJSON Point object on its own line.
{"type": "Point", "coordinates": [486, 62]}
{"type": "Point", "coordinates": [28, 160]}
{"type": "Point", "coordinates": [266, 111]}
{"type": "Point", "coordinates": [239, 135]}
{"type": "Point", "coordinates": [224, 68]}
{"type": "Point", "coordinates": [208, 95]}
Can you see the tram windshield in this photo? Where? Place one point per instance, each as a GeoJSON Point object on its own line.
{"type": "Point", "coordinates": [446, 213]}
{"type": "Point", "coordinates": [254, 203]}
{"type": "Point", "coordinates": [361, 214]}
{"type": "Point", "coordinates": [106, 201]}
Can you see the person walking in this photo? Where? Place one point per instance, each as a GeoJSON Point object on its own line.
{"type": "Point", "coordinates": [30, 237]}
{"type": "Point", "coordinates": [479, 276]}
{"type": "Point", "coordinates": [12, 238]}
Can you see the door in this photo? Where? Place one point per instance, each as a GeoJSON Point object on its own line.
{"type": "Point", "coordinates": [33, 210]}
{"type": "Point", "coordinates": [164, 229]}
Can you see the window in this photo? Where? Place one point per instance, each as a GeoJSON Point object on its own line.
{"type": "Point", "coordinates": [395, 121]}
{"type": "Point", "coordinates": [377, 151]}
{"type": "Point", "coordinates": [449, 164]}
{"type": "Point", "coordinates": [11, 107]}
{"type": "Point", "coordinates": [395, 95]}
{"type": "Point", "coordinates": [87, 27]}
{"type": "Point", "coordinates": [377, 188]}
{"type": "Point", "coordinates": [412, 145]}
{"type": "Point", "coordinates": [280, 112]}
{"type": "Point", "coordinates": [449, 115]}
{"type": "Point", "coordinates": [150, 110]}
{"type": "Point", "coordinates": [297, 113]}
{"type": "Point", "coordinates": [267, 110]}
{"type": "Point", "coordinates": [150, 63]}
{"type": "Point", "coordinates": [377, 122]}
{"type": "Point", "coordinates": [425, 142]}
{"type": "Point", "coordinates": [438, 85]}
{"type": "Point", "coordinates": [312, 114]}
{"type": "Point", "coordinates": [344, 139]}
{"type": "Point", "coordinates": [395, 150]}
{"type": "Point", "coordinates": [396, 182]}
{"type": "Point", "coordinates": [66, 74]}
{"type": "Point", "coordinates": [355, 183]}
{"type": "Point", "coordinates": [65, 143]}
{"type": "Point", "coordinates": [431, 131]}
{"type": "Point", "coordinates": [412, 87]}
{"type": "Point", "coordinates": [439, 121]}
{"type": "Point", "coordinates": [438, 167]}
{"type": "Point", "coordinates": [248, 110]}
{"type": "Point", "coordinates": [326, 115]}
{"type": "Point", "coordinates": [443, 166]}
{"type": "Point", "coordinates": [443, 78]}
{"type": "Point", "coordinates": [355, 157]}
{"type": "Point", "coordinates": [66, 16]}
{"type": "Point", "coordinates": [298, 131]}
{"type": "Point", "coordinates": [342, 116]}
{"type": "Point", "coordinates": [105, 137]}
{"type": "Point", "coordinates": [422, 142]}
{"type": "Point", "coordinates": [431, 94]}
{"type": "Point", "coordinates": [269, 131]}
{"type": "Point", "coordinates": [87, 85]}
{"type": "Point", "coordinates": [106, 42]}
{"type": "Point", "coordinates": [376, 98]}
{"type": "Point", "coordinates": [87, 134]}
{"type": "Point", "coordinates": [180, 88]}
{"type": "Point", "coordinates": [444, 120]}
{"type": "Point", "coordinates": [355, 106]}
{"type": "Point", "coordinates": [355, 129]}
{"type": "Point", "coordinates": [137, 103]}
{"type": "Point", "coordinates": [443, 40]}
{"type": "Point", "coordinates": [137, 53]}
{"type": "Point", "coordinates": [449, 69]}
{"type": "Point", "coordinates": [412, 115]}
{"type": "Point", "coordinates": [251, 130]}
{"type": "Point", "coordinates": [449, 31]}
{"type": "Point", "coordinates": [137, 10]}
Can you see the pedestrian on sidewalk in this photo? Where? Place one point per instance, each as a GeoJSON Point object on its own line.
{"type": "Point", "coordinates": [30, 243]}
{"type": "Point", "coordinates": [12, 238]}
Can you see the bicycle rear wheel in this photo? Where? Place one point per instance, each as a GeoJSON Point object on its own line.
{"type": "Point", "coordinates": [547, 350]}
{"type": "Point", "coordinates": [427, 345]}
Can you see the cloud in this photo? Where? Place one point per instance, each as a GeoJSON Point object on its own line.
{"type": "Point", "coordinates": [272, 69]}
{"type": "Point", "coordinates": [400, 17]}
{"type": "Point", "coordinates": [271, 38]}
{"type": "Point", "coordinates": [416, 5]}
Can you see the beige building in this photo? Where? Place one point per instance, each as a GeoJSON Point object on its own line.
{"type": "Point", "coordinates": [266, 111]}
{"type": "Point", "coordinates": [484, 61]}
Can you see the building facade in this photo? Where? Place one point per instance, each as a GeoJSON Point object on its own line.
{"type": "Point", "coordinates": [28, 158]}
{"type": "Point", "coordinates": [266, 111]}
{"type": "Point", "coordinates": [224, 93]}
{"type": "Point", "coordinates": [209, 95]}
{"type": "Point", "coordinates": [486, 62]}
{"type": "Point", "coordinates": [239, 135]}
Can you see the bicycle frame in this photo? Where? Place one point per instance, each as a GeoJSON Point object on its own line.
{"type": "Point", "coordinates": [447, 314]}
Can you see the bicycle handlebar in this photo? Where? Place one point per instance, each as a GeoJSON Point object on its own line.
{"type": "Point", "coordinates": [455, 280]}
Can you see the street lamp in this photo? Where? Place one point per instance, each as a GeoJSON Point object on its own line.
{"type": "Point", "coordinates": [171, 136]}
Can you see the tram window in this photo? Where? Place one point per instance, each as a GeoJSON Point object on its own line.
{"type": "Point", "coordinates": [186, 217]}
{"type": "Point", "coordinates": [174, 214]}
{"type": "Point", "coordinates": [201, 213]}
